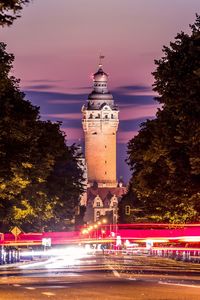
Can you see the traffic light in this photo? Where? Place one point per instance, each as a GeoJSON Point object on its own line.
{"type": "Point", "coordinates": [127, 210]}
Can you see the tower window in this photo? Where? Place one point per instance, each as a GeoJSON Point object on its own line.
{"type": "Point", "coordinates": [105, 146]}
{"type": "Point", "coordinates": [105, 161]}
{"type": "Point", "coordinates": [106, 116]}
{"type": "Point", "coordinates": [105, 173]}
{"type": "Point", "coordinates": [91, 116]}
{"type": "Point", "coordinates": [97, 215]}
{"type": "Point", "coordinates": [98, 203]}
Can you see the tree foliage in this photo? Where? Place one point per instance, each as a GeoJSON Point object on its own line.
{"type": "Point", "coordinates": [165, 156]}
{"type": "Point", "coordinates": [10, 10]}
{"type": "Point", "coordinates": [40, 176]}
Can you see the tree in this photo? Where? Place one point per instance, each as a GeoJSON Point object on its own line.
{"type": "Point", "coordinates": [165, 156]}
{"type": "Point", "coordinates": [10, 10]}
{"type": "Point", "coordinates": [40, 178]}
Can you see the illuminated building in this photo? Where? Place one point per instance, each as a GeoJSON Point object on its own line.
{"type": "Point", "coordinates": [100, 123]}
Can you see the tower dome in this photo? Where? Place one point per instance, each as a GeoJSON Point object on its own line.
{"type": "Point", "coordinates": [100, 94]}
{"type": "Point", "coordinates": [100, 75]}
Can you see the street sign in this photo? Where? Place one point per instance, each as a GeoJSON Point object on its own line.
{"type": "Point", "coordinates": [16, 231]}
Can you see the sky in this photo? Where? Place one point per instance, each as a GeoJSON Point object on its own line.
{"type": "Point", "coordinates": [57, 44]}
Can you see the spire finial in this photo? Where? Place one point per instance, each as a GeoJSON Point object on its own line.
{"type": "Point", "coordinates": [100, 60]}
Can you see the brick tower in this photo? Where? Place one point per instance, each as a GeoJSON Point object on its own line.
{"type": "Point", "coordinates": [100, 124]}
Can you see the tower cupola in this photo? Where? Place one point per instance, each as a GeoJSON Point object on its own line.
{"type": "Point", "coordinates": [100, 79]}
{"type": "Point", "coordinates": [100, 95]}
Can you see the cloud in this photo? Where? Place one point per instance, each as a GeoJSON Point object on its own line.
{"type": "Point", "coordinates": [65, 102]}
{"type": "Point", "coordinates": [65, 116]}
{"type": "Point", "coordinates": [124, 136]}
{"type": "Point", "coordinates": [54, 95]}
{"type": "Point", "coordinates": [73, 134]}
{"type": "Point", "coordinates": [122, 99]}
{"type": "Point", "coordinates": [66, 107]}
{"type": "Point", "coordinates": [135, 88]}
{"type": "Point", "coordinates": [130, 125]}
{"type": "Point", "coordinates": [135, 112]}
{"type": "Point", "coordinates": [40, 87]}
{"type": "Point", "coordinates": [82, 88]}
{"type": "Point", "coordinates": [46, 80]}
{"type": "Point", "coordinates": [56, 102]}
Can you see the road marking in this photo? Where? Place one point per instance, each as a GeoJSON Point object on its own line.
{"type": "Point", "coordinates": [16, 284]}
{"type": "Point", "coordinates": [114, 271]}
{"type": "Point", "coordinates": [48, 294]}
{"type": "Point", "coordinates": [179, 284]}
{"type": "Point", "coordinates": [53, 287]}
{"type": "Point", "coordinates": [30, 288]}
{"type": "Point", "coordinates": [131, 278]}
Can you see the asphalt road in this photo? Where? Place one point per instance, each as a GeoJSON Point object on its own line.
{"type": "Point", "coordinates": [99, 277]}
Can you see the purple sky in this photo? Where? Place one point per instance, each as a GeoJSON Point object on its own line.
{"type": "Point", "coordinates": [57, 43]}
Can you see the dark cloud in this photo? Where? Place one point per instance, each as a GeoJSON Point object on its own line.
{"type": "Point", "coordinates": [45, 80]}
{"type": "Point", "coordinates": [42, 99]}
{"type": "Point", "coordinates": [72, 103]}
{"type": "Point", "coordinates": [83, 88]}
{"type": "Point", "coordinates": [135, 88]}
{"type": "Point", "coordinates": [72, 123]}
{"type": "Point", "coordinates": [45, 96]}
{"type": "Point", "coordinates": [40, 87]}
{"type": "Point", "coordinates": [122, 99]}
{"type": "Point", "coordinates": [67, 123]}
{"type": "Point", "coordinates": [131, 125]}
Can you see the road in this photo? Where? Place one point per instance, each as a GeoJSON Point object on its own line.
{"type": "Point", "coordinates": [101, 277]}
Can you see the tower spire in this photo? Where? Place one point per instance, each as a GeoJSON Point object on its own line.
{"type": "Point", "coordinates": [100, 60]}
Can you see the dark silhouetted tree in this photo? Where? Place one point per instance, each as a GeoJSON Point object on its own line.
{"type": "Point", "coordinates": [40, 177]}
{"type": "Point", "coordinates": [10, 10]}
{"type": "Point", "coordinates": [165, 156]}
